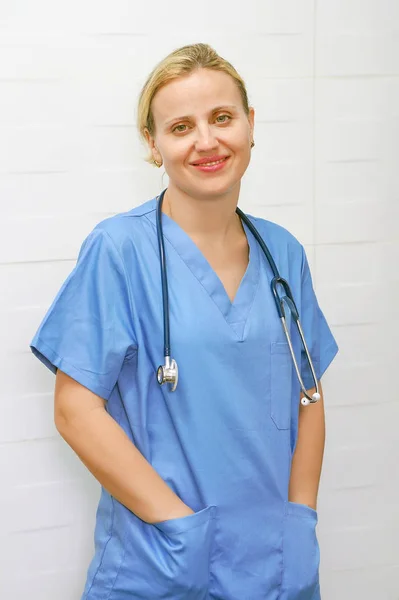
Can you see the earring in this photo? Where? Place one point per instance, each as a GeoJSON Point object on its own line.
{"type": "Point", "coordinates": [157, 163]}
{"type": "Point", "coordinates": [252, 144]}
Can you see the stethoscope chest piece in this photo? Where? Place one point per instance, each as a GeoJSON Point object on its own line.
{"type": "Point", "coordinates": [168, 373]}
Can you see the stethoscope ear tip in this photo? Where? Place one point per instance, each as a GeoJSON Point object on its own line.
{"type": "Point", "coordinates": [315, 398]}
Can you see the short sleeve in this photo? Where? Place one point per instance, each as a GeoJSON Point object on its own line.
{"type": "Point", "coordinates": [88, 330]}
{"type": "Point", "coordinates": [320, 341]}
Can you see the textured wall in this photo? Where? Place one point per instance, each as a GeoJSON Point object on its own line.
{"type": "Point", "coordinates": [324, 79]}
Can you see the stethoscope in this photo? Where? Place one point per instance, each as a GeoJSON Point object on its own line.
{"type": "Point", "coordinates": [169, 372]}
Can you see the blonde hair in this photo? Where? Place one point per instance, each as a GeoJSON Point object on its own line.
{"type": "Point", "coordinates": [179, 63]}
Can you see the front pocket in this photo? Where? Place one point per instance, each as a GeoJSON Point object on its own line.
{"type": "Point", "coordinates": [182, 524]}
{"type": "Point", "coordinates": [184, 545]}
{"type": "Point", "coordinates": [301, 554]}
{"type": "Point", "coordinates": [280, 384]}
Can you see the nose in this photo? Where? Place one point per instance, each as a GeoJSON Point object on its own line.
{"type": "Point", "coordinates": [206, 139]}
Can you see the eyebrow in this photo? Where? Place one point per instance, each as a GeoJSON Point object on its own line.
{"type": "Point", "coordinates": [217, 109]}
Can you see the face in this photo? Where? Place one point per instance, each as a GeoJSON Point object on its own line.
{"type": "Point", "coordinates": [200, 120]}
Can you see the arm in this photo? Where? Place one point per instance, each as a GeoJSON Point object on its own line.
{"type": "Point", "coordinates": [308, 455]}
{"type": "Point", "coordinates": [102, 445]}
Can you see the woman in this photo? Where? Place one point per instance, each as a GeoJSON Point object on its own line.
{"type": "Point", "coordinates": [208, 491]}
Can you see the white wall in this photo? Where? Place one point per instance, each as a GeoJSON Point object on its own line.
{"type": "Point", "coordinates": [323, 77]}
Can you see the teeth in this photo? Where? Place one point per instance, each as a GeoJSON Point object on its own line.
{"type": "Point", "coordinates": [216, 162]}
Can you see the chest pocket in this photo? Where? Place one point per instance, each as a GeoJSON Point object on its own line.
{"type": "Point", "coordinates": [280, 384]}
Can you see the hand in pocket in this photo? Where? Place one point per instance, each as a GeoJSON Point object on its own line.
{"type": "Point", "coordinates": [181, 511]}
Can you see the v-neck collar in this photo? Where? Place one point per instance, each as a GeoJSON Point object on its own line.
{"type": "Point", "coordinates": [235, 313]}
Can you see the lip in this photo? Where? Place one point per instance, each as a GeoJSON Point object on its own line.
{"type": "Point", "coordinates": [211, 168]}
{"type": "Point", "coordinates": [208, 159]}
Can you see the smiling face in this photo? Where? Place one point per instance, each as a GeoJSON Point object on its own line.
{"type": "Point", "coordinates": [200, 119]}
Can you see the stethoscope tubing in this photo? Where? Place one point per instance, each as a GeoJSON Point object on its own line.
{"type": "Point", "coordinates": [169, 373]}
{"type": "Point", "coordinates": [164, 278]}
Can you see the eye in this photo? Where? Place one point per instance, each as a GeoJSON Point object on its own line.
{"type": "Point", "coordinates": [223, 118]}
{"type": "Point", "coordinates": [179, 128]}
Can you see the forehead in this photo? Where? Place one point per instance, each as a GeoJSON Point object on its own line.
{"type": "Point", "coordinates": [196, 93]}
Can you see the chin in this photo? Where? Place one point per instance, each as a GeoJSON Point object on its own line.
{"type": "Point", "coordinates": [214, 187]}
{"type": "Point", "coordinates": [221, 188]}
{"type": "Point", "coordinates": [210, 192]}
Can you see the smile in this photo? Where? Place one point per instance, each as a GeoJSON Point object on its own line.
{"type": "Point", "coordinates": [209, 164]}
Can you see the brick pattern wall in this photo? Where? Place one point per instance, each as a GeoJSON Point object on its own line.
{"type": "Point", "coordinates": [324, 79]}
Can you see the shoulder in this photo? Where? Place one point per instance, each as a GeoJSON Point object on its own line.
{"type": "Point", "coordinates": [287, 251]}
{"type": "Point", "coordinates": [277, 237]}
{"type": "Point", "coordinates": [125, 227]}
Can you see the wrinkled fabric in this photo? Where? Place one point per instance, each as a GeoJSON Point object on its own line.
{"type": "Point", "coordinates": [224, 440]}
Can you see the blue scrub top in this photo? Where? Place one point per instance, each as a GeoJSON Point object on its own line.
{"type": "Point", "coordinates": [224, 440]}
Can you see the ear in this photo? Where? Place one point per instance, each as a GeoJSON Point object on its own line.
{"type": "Point", "coordinates": [151, 144]}
{"type": "Point", "coordinates": [251, 121]}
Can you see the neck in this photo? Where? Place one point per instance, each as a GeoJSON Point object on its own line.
{"type": "Point", "coordinates": [211, 219]}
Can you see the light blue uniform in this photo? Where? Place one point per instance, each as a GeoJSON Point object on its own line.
{"type": "Point", "coordinates": [223, 441]}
